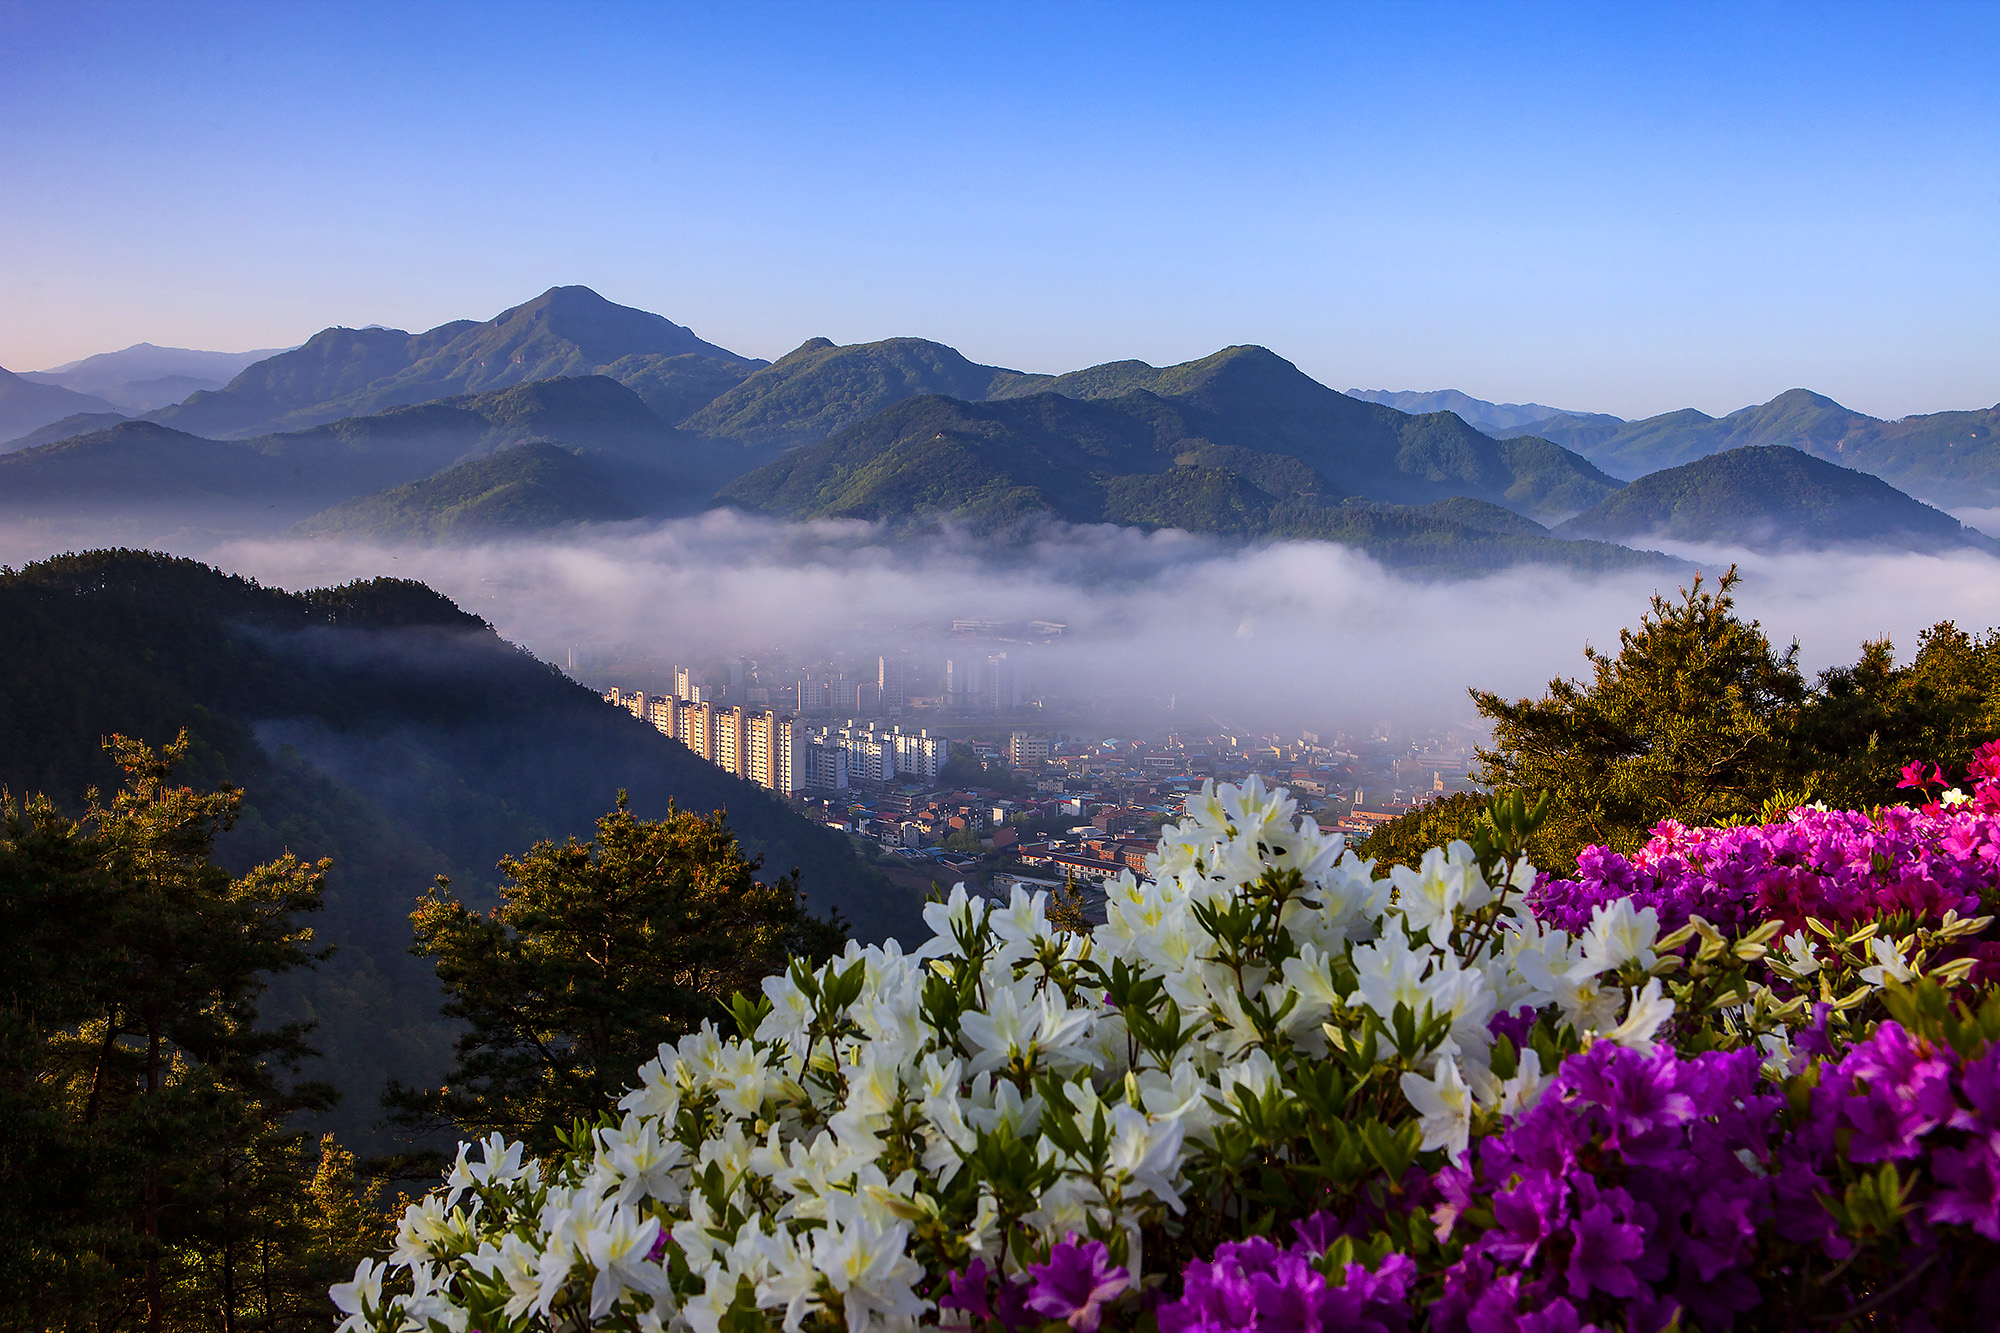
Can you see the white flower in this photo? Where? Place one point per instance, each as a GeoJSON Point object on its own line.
{"type": "Point", "coordinates": [1521, 1092]}
{"type": "Point", "coordinates": [514, 1262]}
{"type": "Point", "coordinates": [1026, 1024]}
{"type": "Point", "coordinates": [1619, 935]}
{"type": "Point", "coordinates": [635, 1163]}
{"type": "Point", "coordinates": [1801, 954]}
{"type": "Point", "coordinates": [358, 1298]}
{"type": "Point", "coordinates": [1390, 972]}
{"type": "Point", "coordinates": [1889, 963]}
{"type": "Point", "coordinates": [1780, 1062]}
{"type": "Point", "coordinates": [425, 1231]}
{"type": "Point", "coordinates": [1145, 1152]}
{"type": "Point", "coordinates": [866, 1265]}
{"type": "Point", "coordinates": [618, 1247]}
{"type": "Point", "coordinates": [1444, 1107]}
{"type": "Point", "coordinates": [1444, 883]}
{"type": "Point", "coordinates": [1650, 1008]}
{"type": "Point", "coordinates": [659, 1093]}
{"type": "Point", "coordinates": [1954, 797]}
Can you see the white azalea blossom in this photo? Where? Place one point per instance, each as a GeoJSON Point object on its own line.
{"type": "Point", "coordinates": [1890, 965]}
{"type": "Point", "coordinates": [796, 1168]}
{"type": "Point", "coordinates": [1444, 1107]}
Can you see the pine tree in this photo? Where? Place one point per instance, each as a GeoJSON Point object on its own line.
{"type": "Point", "coordinates": [146, 1139]}
{"type": "Point", "coordinates": [1688, 720]}
{"type": "Point", "coordinates": [599, 952]}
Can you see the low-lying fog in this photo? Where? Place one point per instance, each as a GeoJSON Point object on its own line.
{"type": "Point", "coordinates": [1276, 635]}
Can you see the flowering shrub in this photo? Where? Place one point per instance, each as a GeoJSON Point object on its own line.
{"type": "Point", "coordinates": [1837, 866]}
{"type": "Point", "coordinates": [1475, 1110]}
{"type": "Point", "coordinates": [1260, 1028]}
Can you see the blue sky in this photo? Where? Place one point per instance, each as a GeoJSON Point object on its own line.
{"type": "Point", "coordinates": [1622, 208]}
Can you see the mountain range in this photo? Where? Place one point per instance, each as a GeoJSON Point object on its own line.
{"type": "Point", "coordinates": [648, 419]}
{"type": "Point", "coordinates": [151, 478]}
{"type": "Point", "coordinates": [1498, 419]}
{"type": "Point", "coordinates": [1943, 458]}
{"type": "Point", "coordinates": [142, 377]}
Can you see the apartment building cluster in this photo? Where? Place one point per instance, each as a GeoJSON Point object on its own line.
{"type": "Point", "coordinates": [779, 751]}
{"type": "Point", "coordinates": [769, 748]}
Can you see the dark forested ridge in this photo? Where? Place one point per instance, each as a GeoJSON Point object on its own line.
{"type": "Point", "coordinates": [376, 724]}
{"type": "Point", "coordinates": [1771, 496]}
{"type": "Point", "coordinates": [528, 488]}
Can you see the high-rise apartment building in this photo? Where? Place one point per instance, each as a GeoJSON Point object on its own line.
{"type": "Point", "coordinates": [771, 747]}
{"type": "Point", "coordinates": [825, 764]}
{"type": "Point", "coordinates": [660, 710]}
{"type": "Point", "coordinates": [920, 755]}
{"type": "Point", "coordinates": [729, 753]}
{"type": "Point", "coordinates": [700, 733]}
{"type": "Point", "coordinates": [889, 683]}
{"type": "Point", "coordinates": [1025, 751]}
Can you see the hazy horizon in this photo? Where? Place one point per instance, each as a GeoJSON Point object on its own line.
{"type": "Point", "coordinates": [1625, 210]}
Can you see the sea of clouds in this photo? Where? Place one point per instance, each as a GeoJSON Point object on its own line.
{"type": "Point", "coordinates": [1270, 635]}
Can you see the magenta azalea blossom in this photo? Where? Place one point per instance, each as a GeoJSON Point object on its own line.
{"type": "Point", "coordinates": [1075, 1283]}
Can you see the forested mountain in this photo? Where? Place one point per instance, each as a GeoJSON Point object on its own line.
{"type": "Point", "coordinates": [819, 388]}
{"type": "Point", "coordinates": [1944, 458]}
{"type": "Point", "coordinates": [376, 724]}
{"type": "Point", "coordinates": [156, 479]}
{"type": "Point", "coordinates": [527, 488]}
{"type": "Point", "coordinates": [1135, 459]}
{"type": "Point", "coordinates": [1496, 419]}
{"type": "Point", "coordinates": [26, 405]}
{"type": "Point", "coordinates": [1252, 398]}
{"type": "Point", "coordinates": [1771, 496]}
{"type": "Point", "coordinates": [566, 331]}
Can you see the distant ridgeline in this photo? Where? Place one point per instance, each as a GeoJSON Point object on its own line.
{"type": "Point", "coordinates": [571, 410]}
{"type": "Point", "coordinates": [375, 723]}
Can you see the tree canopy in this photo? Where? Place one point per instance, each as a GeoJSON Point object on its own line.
{"type": "Point", "coordinates": [599, 952]}
{"type": "Point", "coordinates": [143, 1110]}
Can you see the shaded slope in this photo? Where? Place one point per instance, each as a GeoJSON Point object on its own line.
{"type": "Point", "coordinates": [820, 388]}
{"type": "Point", "coordinates": [376, 724]}
{"type": "Point", "coordinates": [676, 387]}
{"type": "Point", "coordinates": [526, 488]}
{"type": "Point", "coordinates": [26, 405]}
{"type": "Point", "coordinates": [1770, 495]}
{"type": "Point", "coordinates": [81, 423]}
{"type": "Point", "coordinates": [162, 479]}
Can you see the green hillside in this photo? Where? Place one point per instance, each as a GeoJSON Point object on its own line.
{"type": "Point", "coordinates": [1252, 398]}
{"type": "Point", "coordinates": [676, 387]}
{"type": "Point", "coordinates": [819, 388]}
{"type": "Point", "coordinates": [528, 488]}
{"type": "Point", "coordinates": [566, 331]}
{"type": "Point", "coordinates": [376, 724]}
{"type": "Point", "coordinates": [161, 479]}
{"type": "Point", "coordinates": [1130, 460]}
{"type": "Point", "coordinates": [1770, 495]}
{"type": "Point", "coordinates": [1943, 458]}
